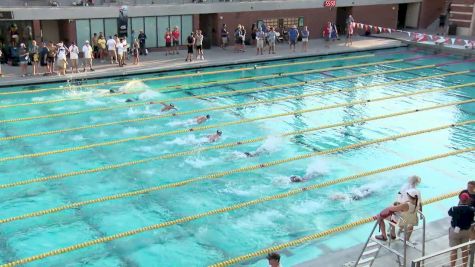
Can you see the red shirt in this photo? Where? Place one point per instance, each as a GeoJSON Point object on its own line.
{"type": "Point", "coordinates": [168, 38]}
{"type": "Point", "coordinates": [176, 34]}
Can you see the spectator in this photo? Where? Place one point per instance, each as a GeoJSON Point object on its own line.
{"type": "Point", "coordinates": [254, 31]}
{"type": "Point", "coordinates": [237, 39]}
{"type": "Point", "coordinates": [334, 33]}
{"type": "Point", "coordinates": [326, 34]}
{"type": "Point", "coordinates": [101, 43]}
{"type": "Point", "coordinates": [274, 259]}
{"type": "Point", "coordinates": [176, 40]}
{"type": "Point", "coordinates": [349, 30]}
{"type": "Point", "coordinates": [95, 45]}
{"type": "Point", "coordinates": [23, 54]}
{"type": "Point", "coordinates": [293, 36]}
{"type": "Point", "coordinates": [125, 55]}
{"type": "Point", "coordinates": [190, 43]}
{"type": "Point", "coordinates": [136, 52]}
{"type": "Point", "coordinates": [224, 36]}
{"type": "Point", "coordinates": [120, 53]}
{"type": "Point", "coordinates": [168, 42]}
{"type": "Point", "coordinates": [260, 36]}
{"type": "Point", "coordinates": [199, 45]}
{"type": "Point", "coordinates": [50, 59]}
{"type": "Point", "coordinates": [43, 56]}
{"type": "Point", "coordinates": [142, 37]}
{"type": "Point", "coordinates": [459, 231]}
{"type": "Point", "coordinates": [74, 56]}
{"type": "Point", "coordinates": [132, 36]}
{"type": "Point", "coordinates": [271, 38]}
{"type": "Point", "coordinates": [471, 192]}
{"type": "Point", "coordinates": [243, 39]}
{"type": "Point", "coordinates": [111, 48]}
{"type": "Point", "coordinates": [62, 61]}
{"type": "Point", "coordinates": [34, 52]}
{"type": "Point", "coordinates": [305, 35]}
{"type": "Point", "coordinates": [87, 50]}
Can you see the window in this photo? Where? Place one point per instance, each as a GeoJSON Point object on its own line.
{"type": "Point", "coordinates": [279, 23]}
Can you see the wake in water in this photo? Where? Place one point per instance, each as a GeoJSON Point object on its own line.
{"type": "Point", "coordinates": [317, 167]}
{"type": "Point", "coordinates": [188, 140]}
{"type": "Point", "coordinates": [360, 192]}
{"type": "Point", "coordinates": [271, 145]}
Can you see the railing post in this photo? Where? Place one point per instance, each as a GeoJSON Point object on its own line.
{"type": "Point", "coordinates": [472, 252]}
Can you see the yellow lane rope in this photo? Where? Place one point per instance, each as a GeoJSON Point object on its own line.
{"type": "Point", "coordinates": [243, 205]}
{"type": "Point", "coordinates": [217, 175]}
{"type": "Point", "coordinates": [201, 128]}
{"type": "Point", "coordinates": [197, 111]}
{"type": "Point", "coordinates": [308, 238]}
{"type": "Point", "coordinates": [221, 146]}
{"type": "Point", "coordinates": [258, 89]}
{"type": "Point", "coordinates": [189, 74]}
{"type": "Point", "coordinates": [197, 85]}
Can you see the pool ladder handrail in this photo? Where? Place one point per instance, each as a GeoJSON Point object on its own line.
{"type": "Point", "coordinates": [372, 246]}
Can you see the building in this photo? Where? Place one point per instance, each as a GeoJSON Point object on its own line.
{"type": "Point", "coordinates": [77, 20]}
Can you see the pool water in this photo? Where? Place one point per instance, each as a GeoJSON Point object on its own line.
{"type": "Point", "coordinates": [84, 111]}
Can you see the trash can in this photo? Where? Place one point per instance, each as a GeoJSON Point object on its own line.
{"type": "Point", "coordinates": [452, 29]}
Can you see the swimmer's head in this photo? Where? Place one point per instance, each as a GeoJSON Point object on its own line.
{"type": "Point", "coordinates": [218, 132]}
{"type": "Point", "coordinates": [208, 116]}
{"type": "Point", "coordinates": [295, 178]}
{"type": "Point", "coordinates": [111, 91]}
{"type": "Point", "coordinates": [248, 154]}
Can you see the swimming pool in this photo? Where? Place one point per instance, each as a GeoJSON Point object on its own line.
{"type": "Point", "coordinates": [79, 163]}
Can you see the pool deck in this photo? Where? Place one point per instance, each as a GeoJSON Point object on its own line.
{"type": "Point", "coordinates": [157, 61]}
{"type": "Point", "coordinates": [436, 240]}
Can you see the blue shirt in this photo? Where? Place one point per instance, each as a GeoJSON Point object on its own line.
{"type": "Point", "coordinates": [293, 33]}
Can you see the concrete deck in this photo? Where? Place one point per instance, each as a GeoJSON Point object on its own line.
{"type": "Point", "coordinates": [436, 240]}
{"type": "Point", "coordinates": [157, 61]}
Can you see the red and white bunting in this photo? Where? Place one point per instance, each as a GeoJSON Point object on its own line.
{"type": "Point", "coordinates": [380, 29]}
{"type": "Point", "coordinates": [389, 30]}
{"type": "Point", "coordinates": [452, 40]}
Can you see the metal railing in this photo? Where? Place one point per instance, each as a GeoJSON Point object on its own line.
{"type": "Point", "coordinates": [442, 258]}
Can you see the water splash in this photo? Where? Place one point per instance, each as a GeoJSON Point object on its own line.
{"type": "Point", "coordinates": [183, 123]}
{"type": "Point", "coordinates": [188, 140]}
{"type": "Point", "coordinates": [199, 162]}
{"type": "Point", "coordinates": [134, 86]}
{"type": "Point", "coordinates": [130, 130]}
{"type": "Point", "coordinates": [317, 167]}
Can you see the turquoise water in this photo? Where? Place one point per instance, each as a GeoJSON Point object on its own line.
{"type": "Point", "coordinates": [222, 236]}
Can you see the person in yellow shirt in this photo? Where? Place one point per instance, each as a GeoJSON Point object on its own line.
{"type": "Point", "coordinates": [101, 43]}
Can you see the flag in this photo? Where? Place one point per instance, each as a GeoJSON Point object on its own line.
{"type": "Point", "coordinates": [389, 30]}
{"type": "Point", "coordinates": [380, 29]}
{"type": "Point", "coordinates": [452, 40]}
{"type": "Point", "coordinates": [430, 37]}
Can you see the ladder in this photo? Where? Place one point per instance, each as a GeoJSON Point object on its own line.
{"type": "Point", "coordinates": [371, 248]}
{"type": "Point", "coordinates": [370, 251]}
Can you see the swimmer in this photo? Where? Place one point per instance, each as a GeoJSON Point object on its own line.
{"type": "Point", "coordinates": [167, 107]}
{"type": "Point", "coordinates": [356, 194]}
{"type": "Point", "coordinates": [131, 100]}
{"type": "Point", "coordinates": [255, 153]}
{"type": "Point", "coordinates": [298, 179]}
{"type": "Point", "coordinates": [215, 137]}
{"type": "Point", "coordinates": [201, 119]}
{"type": "Point", "coordinates": [117, 91]}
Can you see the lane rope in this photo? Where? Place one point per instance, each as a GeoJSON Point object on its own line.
{"type": "Point", "coordinates": [196, 111]}
{"type": "Point", "coordinates": [217, 175]}
{"type": "Point", "coordinates": [218, 125]}
{"type": "Point", "coordinates": [197, 85]}
{"type": "Point", "coordinates": [220, 146]}
{"type": "Point", "coordinates": [227, 93]}
{"type": "Point", "coordinates": [308, 238]}
{"type": "Point", "coordinates": [246, 204]}
{"type": "Point", "coordinates": [186, 75]}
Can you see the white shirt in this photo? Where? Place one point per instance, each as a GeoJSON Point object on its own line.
{"type": "Point", "coordinates": [111, 44]}
{"type": "Point", "coordinates": [402, 194]}
{"type": "Point", "coordinates": [87, 50]}
{"type": "Point", "coordinates": [73, 52]}
{"type": "Point", "coordinates": [124, 43]}
{"type": "Point", "coordinates": [61, 53]}
{"type": "Point", "coordinates": [120, 48]}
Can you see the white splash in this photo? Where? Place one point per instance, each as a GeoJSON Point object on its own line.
{"type": "Point", "coordinates": [182, 123]}
{"type": "Point", "coordinates": [317, 167]}
{"type": "Point", "coordinates": [188, 140]}
{"type": "Point", "coordinates": [134, 86]}
{"type": "Point", "coordinates": [149, 95]}
{"type": "Point", "coordinates": [200, 162]}
{"type": "Point", "coordinates": [271, 144]}
{"type": "Point", "coordinates": [77, 137]}
{"type": "Point", "coordinates": [130, 130]}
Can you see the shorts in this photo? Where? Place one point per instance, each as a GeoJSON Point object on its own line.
{"type": "Point", "coordinates": [305, 39]}
{"type": "Point", "coordinates": [62, 63]}
{"type": "Point", "coordinates": [176, 43]}
{"type": "Point", "coordinates": [96, 49]}
{"type": "Point", "coordinates": [459, 238]}
{"type": "Point", "coordinates": [50, 59]}
{"type": "Point", "coordinates": [327, 38]}
{"type": "Point", "coordinates": [260, 43]}
{"type": "Point", "coordinates": [239, 40]}
{"type": "Point", "coordinates": [293, 42]}
{"type": "Point", "coordinates": [190, 49]}
{"type": "Point", "coordinates": [198, 47]}
{"type": "Point", "coordinates": [224, 40]}
{"type": "Point", "coordinates": [168, 44]}
{"type": "Point", "coordinates": [442, 20]}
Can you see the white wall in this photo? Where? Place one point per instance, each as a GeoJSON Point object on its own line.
{"type": "Point", "coordinates": [45, 13]}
